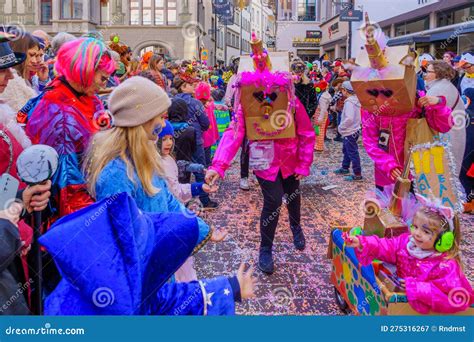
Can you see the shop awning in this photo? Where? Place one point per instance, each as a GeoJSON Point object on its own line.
{"type": "Point", "coordinates": [434, 35]}
{"type": "Point", "coordinates": [453, 33]}
{"type": "Point", "coordinates": [407, 40]}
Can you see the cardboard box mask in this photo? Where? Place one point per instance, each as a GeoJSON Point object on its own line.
{"type": "Point", "coordinates": [391, 90]}
{"type": "Point", "coordinates": [267, 106]}
{"type": "Point", "coordinates": [384, 79]}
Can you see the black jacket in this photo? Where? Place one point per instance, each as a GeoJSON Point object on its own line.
{"type": "Point", "coordinates": [308, 97]}
{"type": "Point", "coordinates": [12, 291]}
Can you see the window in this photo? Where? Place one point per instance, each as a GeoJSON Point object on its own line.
{"type": "Point", "coordinates": [306, 10]}
{"type": "Point", "coordinates": [146, 12]}
{"type": "Point", "coordinates": [412, 26]}
{"type": "Point", "coordinates": [46, 12]}
{"type": "Point", "coordinates": [386, 31]}
{"type": "Point", "coordinates": [172, 13]}
{"type": "Point", "coordinates": [456, 16]}
{"type": "Point", "coordinates": [104, 13]}
{"type": "Point", "coordinates": [71, 9]}
{"type": "Point", "coordinates": [153, 12]}
{"type": "Point", "coordinates": [135, 12]}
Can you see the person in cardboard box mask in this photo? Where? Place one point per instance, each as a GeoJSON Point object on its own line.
{"type": "Point", "coordinates": [384, 80]}
{"type": "Point", "coordinates": [281, 145]}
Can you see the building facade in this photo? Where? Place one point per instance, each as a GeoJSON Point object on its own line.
{"type": "Point", "coordinates": [179, 29]}
{"type": "Point", "coordinates": [298, 29]}
{"type": "Point", "coordinates": [335, 33]}
{"type": "Point", "coordinates": [432, 26]}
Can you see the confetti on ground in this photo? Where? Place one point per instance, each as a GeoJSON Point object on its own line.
{"type": "Point", "coordinates": [300, 284]}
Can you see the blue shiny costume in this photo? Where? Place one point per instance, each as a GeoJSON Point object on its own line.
{"type": "Point", "coordinates": [116, 260]}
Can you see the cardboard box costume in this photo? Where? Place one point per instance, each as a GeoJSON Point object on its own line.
{"type": "Point", "coordinates": [266, 94]}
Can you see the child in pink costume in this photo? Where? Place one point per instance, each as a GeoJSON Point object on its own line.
{"type": "Point", "coordinates": [279, 172]}
{"type": "Point", "coordinates": [389, 163]}
{"type": "Point", "coordinates": [432, 274]}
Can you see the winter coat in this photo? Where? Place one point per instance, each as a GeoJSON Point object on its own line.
{"type": "Point", "coordinates": [307, 96]}
{"type": "Point", "coordinates": [64, 119]}
{"type": "Point", "coordinates": [17, 93]}
{"type": "Point", "coordinates": [323, 107]}
{"type": "Point", "coordinates": [113, 180]}
{"type": "Point", "coordinates": [196, 115]}
{"type": "Point", "coordinates": [430, 283]}
{"type": "Point", "coordinates": [212, 134]}
{"type": "Point", "coordinates": [183, 192]}
{"type": "Point", "coordinates": [350, 117]}
{"type": "Point", "coordinates": [129, 274]}
{"type": "Point", "coordinates": [292, 155]}
{"type": "Point", "coordinates": [438, 117]}
{"type": "Point", "coordinates": [12, 288]}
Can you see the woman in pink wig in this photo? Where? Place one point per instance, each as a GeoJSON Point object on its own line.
{"type": "Point", "coordinates": [67, 114]}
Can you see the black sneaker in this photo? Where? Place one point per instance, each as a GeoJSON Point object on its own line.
{"type": "Point", "coordinates": [298, 238]}
{"type": "Point", "coordinates": [211, 205]}
{"type": "Point", "coordinates": [265, 260]}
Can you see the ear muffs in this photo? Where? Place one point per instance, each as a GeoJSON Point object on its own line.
{"type": "Point", "coordinates": [444, 242]}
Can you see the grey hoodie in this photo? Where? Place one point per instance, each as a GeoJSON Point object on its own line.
{"type": "Point", "coordinates": [350, 117]}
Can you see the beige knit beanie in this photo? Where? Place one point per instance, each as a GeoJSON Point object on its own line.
{"type": "Point", "coordinates": [136, 101]}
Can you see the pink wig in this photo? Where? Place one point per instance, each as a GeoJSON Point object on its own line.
{"type": "Point", "coordinates": [202, 91]}
{"type": "Point", "coordinates": [79, 59]}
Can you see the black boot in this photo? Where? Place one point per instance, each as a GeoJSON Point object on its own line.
{"type": "Point", "coordinates": [298, 238]}
{"type": "Point", "coordinates": [265, 260]}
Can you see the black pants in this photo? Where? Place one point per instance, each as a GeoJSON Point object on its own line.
{"type": "Point", "coordinates": [244, 159]}
{"type": "Point", "coordinates": [273, 193]}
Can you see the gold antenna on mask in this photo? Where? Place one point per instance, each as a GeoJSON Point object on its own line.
{"type": "Point", "coordinates": [376, 57]}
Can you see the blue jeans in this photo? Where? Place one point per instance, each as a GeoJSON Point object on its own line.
{"type": "Point", "coordinates": [351, 153]}
{"type": "Point", "coordinates": [199, 157]}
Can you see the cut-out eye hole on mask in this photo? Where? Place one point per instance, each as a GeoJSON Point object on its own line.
{"type": "Point", "coordinates": [387, 92]}
{"type": "Point", "coordinates": [298, 68]}
{"type": "Point", "coordinates": [376, 92]}
{"type": "Point", "coordinates": [261, 96]}
{"type": "Point", "coordinates": [373, 92]}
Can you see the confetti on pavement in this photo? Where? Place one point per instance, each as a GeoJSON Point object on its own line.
{"type": "Point", "coordinates": [300, 284]}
